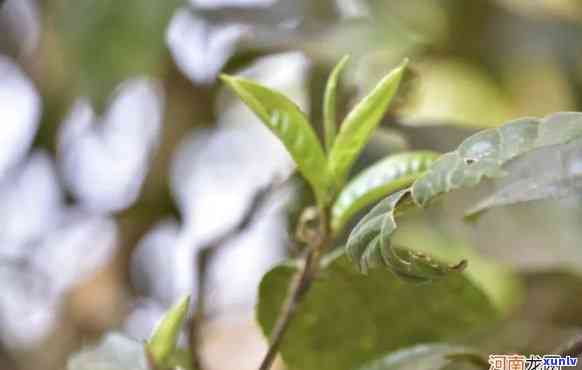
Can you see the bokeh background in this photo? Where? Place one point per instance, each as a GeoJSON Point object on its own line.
{"type": "Point", "coordinates": [129, 176]}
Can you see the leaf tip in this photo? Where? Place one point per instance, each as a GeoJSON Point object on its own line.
{"type": "Point", "coordinates": [164, 338]}
{"type": "Point", "coordinates": [459, 267]}
{"type": "Point", "coordinates": [225, 77]}
{"type": "Point", "coordinates": [343, 61]}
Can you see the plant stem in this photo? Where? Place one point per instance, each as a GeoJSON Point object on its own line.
{"type": "Point", "coordinates": [298, 287]}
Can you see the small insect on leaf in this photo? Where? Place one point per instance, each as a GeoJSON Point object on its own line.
{"type": "Point", "coordinates": [164, 339]}
{"type": "Point", "coordinates": [359, 125]}
{"type": "Point", "coordinates": [329, 103]}
{"type": "Point", "coordinates": [290, 125]}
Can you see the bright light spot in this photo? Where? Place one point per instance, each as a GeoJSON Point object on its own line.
{"type": "Point", "coordinates": [237, 269]}
{"type": "Point", "coordinates": [73, 252]}
{"type": "Point", "coordinates": [105, 160]}
{"type": "Point", "coordinates": [33, 290]}
{"type": "Point", "coordinates": [154, 265]}
{"type": "Point", "coordinates": [31, 205]}
{"type": "Point", "coordinates": [199, 48]}
{"type": "Point", "coordinates": [20, 108]}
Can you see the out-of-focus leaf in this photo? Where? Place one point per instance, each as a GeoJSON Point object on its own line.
{"type": "Point", "coordinates": [430, 357]}
{"type": "Point", "coordinates": [359, 125]}
{"type": "Point", "coordinates": [162, 344]}
{"type": "Point", "coordinates": [369, 244]}
{"type": "Point", "coordinates": [455, 93]}
{"type": "Point", "coordinates": [551, 172]}
{"type": "Point", "coordinates": [115, 352]}
{"type": "Point", "coordinates": [111, 42]}
{"type": "Point", "coordinates": [290, 125]}
{"type": "Point", "coordinates": [387, 141]}
{"type": "Point", "coordinates": [483, 154]}
{"type": "Point", "coordinates": [381, 179]}
{"type": "Point", "coordinates": [554, 297]}
{"type": "Point", "coordinates": [528, 81]}
{"type": "Point", "coordinates": [502, 285]}
{"type": "Point", "coordinates": [329, 103]}
{"type": "Point", "coordinates": [564, 10]}
{"type": "Point", "coordinates": [347, 319]}
{"type": "Point", "coordinates": [546, 321]}
{"type": "Point", "coordinates": [521, 336]}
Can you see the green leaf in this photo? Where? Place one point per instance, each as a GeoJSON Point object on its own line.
{"type": "Point", "coordinates": [546, 173]}
{"type": "Point", "coordinates": [181, 360]}
{"type": "Point", "coordinates": [329, 103]}
{"type": "Point", "coordinates": [358, 126]}
{"type": "Point", "coordinates": [347, 319]}
{"type": "Point", "coordinates": [111, 45]}
{"type": "Point", "coordinates": [163, 342]}
{"type": "Point", "coordinates": [453, 92]}
{"type": "Point", "coordinates": [381, 179]}
{"type": "Point", "coordinates": [369, 244]}
{"type": "Point", "coordinates": [436, 356]}
{"type": "Point", "coordinates": [480, 156]}
{"type": "Point", "coordinates": [501, 284]}
{"type": "Point", "coordinates": [484, 154]}
{"type": "Point", "coordinates": [286, 120]}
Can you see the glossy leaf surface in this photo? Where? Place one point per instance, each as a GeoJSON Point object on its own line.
{"type": "Point", "coordinates": [483, 155]}
{"type": "Point", "coordinates": [163, 342]}
{"type": "Point", "coordinates": [358, 126]}
{"type": "Point", "coordinates": [379, 180]}
{"type": "Point", "coordinates": [329, 103]}
{"type": "Point", "coordinates": [289, 123]}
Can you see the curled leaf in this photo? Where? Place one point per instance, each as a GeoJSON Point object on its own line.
{"type": "Point", "coordinates": [288, 122]}
{"type": "Point", "coordinates": [329, 103]}
{"type": "Point", "coordinates": [369, 244]}
{"type": "Point", "coordinates": [480, 156]}
{"type": "Point", "coordinates": [163, 342]}
{"type": "Point", "coordinates": [358, 126]}
{"type": "Point", "coordinates": [381, 179]}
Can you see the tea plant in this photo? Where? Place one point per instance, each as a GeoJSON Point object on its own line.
{"type": "Point", "coordinates": [336, 309]}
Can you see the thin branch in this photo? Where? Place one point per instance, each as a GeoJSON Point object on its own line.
{"type": "Point", "coordinates": [299, 286]}
{"type": "Point", "coordinates": [297, 289]}
{"type": "Point", "coordinates": [205, 255]}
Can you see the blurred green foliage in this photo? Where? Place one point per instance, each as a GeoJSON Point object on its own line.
{"type": "Point", "coordinates": [109, 41]}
